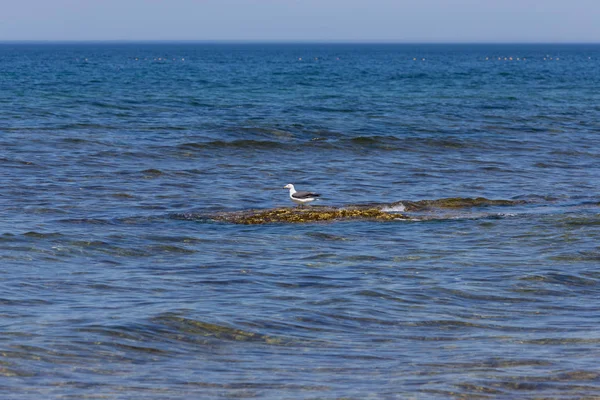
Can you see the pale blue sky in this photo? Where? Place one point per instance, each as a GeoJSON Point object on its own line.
{"type": "Point", "coordinates": [303, 20]}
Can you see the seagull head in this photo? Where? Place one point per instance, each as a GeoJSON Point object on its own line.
{"type": "Point", "coordinates": [289, 186]}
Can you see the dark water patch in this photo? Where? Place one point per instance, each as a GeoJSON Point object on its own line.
{"type": "Point", "coordinates": [123, 196]}
{"type": "Point", "coordinates": [378, 294]}
{"type": "Point", "coordinates": [375, 142]}
{"type": "Point", "coordinates": [537, 291]}
{"type": "Point", "coordinates": [106, 288]}
{"type": "Point", "coordinates": [24, 302]}
{"type": "Point", "coordinates": [83, 126]}
{"type": "Point", "coordinates": [319, 256]}
{"type": "Point", "coordinates": [321, 134]}
{"type": "Point", "coordinates": [113, 346]}
{"type": "Point", "coordinates": [333, 109]}
{"type": "Point", "coordinates": [575, 153]}
{"type": "Point", "coordinates": [537, 198]}
{"type": "Point", "coordinates": [493, 363]}
{"type": "Point", "coordinates": [566, 341]}
{"type": "Point", "coordinates": [235, 144]}
{"type": "Point", "coordinates": [89, 221]}
{"type": "Point", "coordinates": [111, 155]}
{"type": "Point", "coordinates": [327, 236]}
{"type": "Point", "coordinates": [129, 252]}
{"type": "Point", "coordinates": [91, 247]}
{"type": "Point", "coordinates": [210, 330]}
{"type": "Point", "coordinates": [318, 139]}
{"type": "Point", "coordinates": [68, 355]}
{"type": "Point", "coordinates": [38, 353]}
{"type": "Point", "coordinates": [42, 235]}
{"type": "Point", "coordinates": [475, 391]}
{"type": "Point", "coordinates": [582, 221]}
{"type": "Point", "coordinates": [161, 128]}
{"type": "Point", "coordinates": [248, 386]}
{"type": "Point", "coordinates": [309, 283]}
{"type": "Point", "coordinates": [200, 104]}
{"type": "Point", "coordinates": [8, 372]}
{"type": "Point", "coordinates": [409, 76]}
{"type": "Point", "coordinates": [581, 375]}
{"type": "Point", "coordinates": [111, 105]}
{"type": "Point", "coordinates": [11, 163]}
{"type": "Point", "coordinates": [457, 202]}
{"type": "Point", "coordinates": [227, 281]}
{"type": "Point", "coordinates": [402, 145]}
{"type": "Point", "coordinates": [432, 338]}
{"type": "Point", "coordinates": [26, 252]}
{"type": "Point", "coordinates": [152, 172]}
{"type": "Point", "coordinates": [442, 144]}
{"type": "Point", "coordinates": [364, 258]}
{"type": "Point", "coordinates": [134, 332]}
{"type": "Point", "coordinates": [81, 141]}
{"type": "Point", "coordinates": [485, 297]}
{"type": "Point", "coordinates": [502, 388]}
{"type": "Point", "coordinates": [133, 340]}
{"type": "Point", "coordinates": [46, 210]}
{"type": "Point", "coordinates": [556, 388]}
{"type": "Point", "coordinates": [562, 279]}
{"type": "Point", "coordinates": [271, 133]}
{"type": "Point", "coordinates": [8, 237]}
{"type": "Point", "coordinates": [191, 216]}
{"type": "Point", "coordinates": [142, 219]}
{"type": "Point", "coordinates": [165, 248]}
{"type": "Point", "coordinates": [557, 163]}
{"type": "Point", "coordinates": [178, 239]}
{"type": "Point", "coordinates": [453, 325]}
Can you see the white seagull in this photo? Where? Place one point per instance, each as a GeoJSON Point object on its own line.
{"type": "Point", "coordinates": [300, 197]}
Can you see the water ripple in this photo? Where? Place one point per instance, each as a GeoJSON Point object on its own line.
{"type": "Point", "coordinates": [116, 283]}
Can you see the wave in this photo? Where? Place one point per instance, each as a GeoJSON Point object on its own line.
{"type": "Point", "coordinates": [234, 144]}
{"type": "Point", "coordinates": [328, 142]}
{"type": "Point", "coordinates": [263, 132]}
{"type": "Point", "coordinates": [188, 326]}
{"type": "Point", "coordinates": [409, 76]}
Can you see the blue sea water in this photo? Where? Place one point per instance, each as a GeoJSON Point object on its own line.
{"type": "Point", "coordinates": [106, 293]}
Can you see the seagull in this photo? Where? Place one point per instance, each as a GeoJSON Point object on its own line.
{"type": "Point", "coordinates": [300, 197]}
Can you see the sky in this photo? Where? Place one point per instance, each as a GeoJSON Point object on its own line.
{"type": "Point", "coordinates": [413, 21]}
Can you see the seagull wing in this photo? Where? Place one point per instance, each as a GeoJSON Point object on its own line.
{"type": "Point", "coordinates": [304, 195]}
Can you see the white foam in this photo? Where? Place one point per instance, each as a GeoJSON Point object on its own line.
{"type": "Point", "coordinates": [397, 208]}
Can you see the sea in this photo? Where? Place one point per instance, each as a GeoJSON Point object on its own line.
{"type": "Point", "coordinates": [115, 283]}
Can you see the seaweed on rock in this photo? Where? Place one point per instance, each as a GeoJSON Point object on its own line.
{"type": "Point", "coordinates": [303, 215]}
{"type": "Point", "coordinates": [368, 212]}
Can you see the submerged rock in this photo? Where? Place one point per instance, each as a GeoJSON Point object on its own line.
{"type": "Point", "coordinates": [456, 202]}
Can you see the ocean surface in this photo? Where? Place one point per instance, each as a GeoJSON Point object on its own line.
{"type": "Point", "coordinates": [106, 292]}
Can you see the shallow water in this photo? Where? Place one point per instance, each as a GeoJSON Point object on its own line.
{"type": "Point", "coordinates": [105, 292]}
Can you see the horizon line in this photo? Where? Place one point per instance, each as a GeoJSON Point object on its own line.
{"type": "Point", "coordinates": [266, 41]}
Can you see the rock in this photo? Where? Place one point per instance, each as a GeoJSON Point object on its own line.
{"type": "Point", "coordinates": [305, 214]}
{"type": "Point", "coordinates": [368, 212]}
